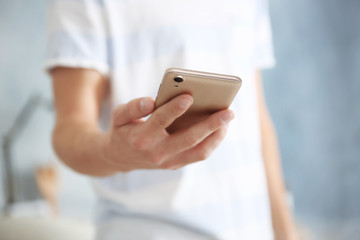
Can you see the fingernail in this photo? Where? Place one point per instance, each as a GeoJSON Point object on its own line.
{"type": "Point", "coordinates": [145, 106]}
{"type": "Point", "coordinates": [227, 117]}
{"type": "Point", "coordinates": [185, 103]}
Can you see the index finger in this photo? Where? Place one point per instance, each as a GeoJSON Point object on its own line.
{"type": "Point", "coordinates": [167, 113]}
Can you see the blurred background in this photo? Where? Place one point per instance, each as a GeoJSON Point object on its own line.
{"type": "Point", "coordinates": [313, 95]}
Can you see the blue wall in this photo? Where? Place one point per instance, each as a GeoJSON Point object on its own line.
{"type": "Point", "coordinates": [313, 95]}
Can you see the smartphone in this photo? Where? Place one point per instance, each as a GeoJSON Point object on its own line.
{"type": "Point", "coordinates": [211, 92]}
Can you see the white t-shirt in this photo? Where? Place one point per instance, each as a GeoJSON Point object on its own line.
{"type": "Point", "coordinates": [133, 42]}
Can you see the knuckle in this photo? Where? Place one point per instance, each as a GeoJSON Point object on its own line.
{"type": "Point", "coordinates": [115, 115]}
{"type": "Point", "coordinates": [178, 166]}
{"type": "Point", "coordinates": [160, 120]}
{"type": "Point", "coordinates": [164, 166]}
{"type": "Point", "coordinates": [156, 159]}
{"type": "Point", "coordinates": [214, 124]}
{"type": "Point", "coordinates": [190, 140]}
{"type": "Point", "coordinates": [203, 154]}
{"type": "Point", "coordinates": [167, 166]}
{"type": "Point", "coordinates": [139, 143]}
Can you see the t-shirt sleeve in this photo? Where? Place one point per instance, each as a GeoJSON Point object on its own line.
{"type": "Point", "coordinates": [264, 53]}
{"type": "Point", "coordinates": [77, 35]}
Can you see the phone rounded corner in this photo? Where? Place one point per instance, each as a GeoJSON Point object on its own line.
{"type": "Point", "coordinates": [240, 81]}
{"type": "Point", "coordinates": [171, 70]}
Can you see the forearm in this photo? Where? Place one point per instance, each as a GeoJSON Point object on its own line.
{"type": "Point", "coordinates": [281, 214]}
{"type": "Point", "coordinates": [77, 140]}
{"type": "Point", "coordinates": [80, 147]}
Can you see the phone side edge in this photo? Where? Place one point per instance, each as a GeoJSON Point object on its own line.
{"type": "Point", "coordinates": [205, 74]}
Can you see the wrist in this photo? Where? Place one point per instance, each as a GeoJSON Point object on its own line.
{"type": "Point", "coordinates": [80, 147]}
{"type": "Point", "coordinates": [104, 153]}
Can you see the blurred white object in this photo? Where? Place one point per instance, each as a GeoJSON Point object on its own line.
{"type": "Point", "coordinates": [36, 208]}
{"type": "Point", "coordinates": [44, 228]}
{"type": "Point", "coordinates": [140, 228]}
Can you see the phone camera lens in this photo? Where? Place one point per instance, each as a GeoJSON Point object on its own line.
{"type": "Point", "coordinates": [178, 79]}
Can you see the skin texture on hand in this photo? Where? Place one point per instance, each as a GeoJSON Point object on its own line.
{"type": "Point", "coordinates": [137, 144]}
{"type": "Point", "coordinates": [131, 142]}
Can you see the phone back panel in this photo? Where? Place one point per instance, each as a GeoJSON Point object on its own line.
{"type": "Point", "coordinates": [211, 93]}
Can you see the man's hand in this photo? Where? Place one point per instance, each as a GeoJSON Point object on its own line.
{"type": "Point", "coordinates": [133, 143]}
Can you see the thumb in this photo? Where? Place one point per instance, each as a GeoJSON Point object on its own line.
{"type": "Point", "coordinates": [133, 110]}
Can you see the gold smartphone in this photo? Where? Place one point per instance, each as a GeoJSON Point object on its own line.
{"type": "Point", "coordinates": [211, 92]}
